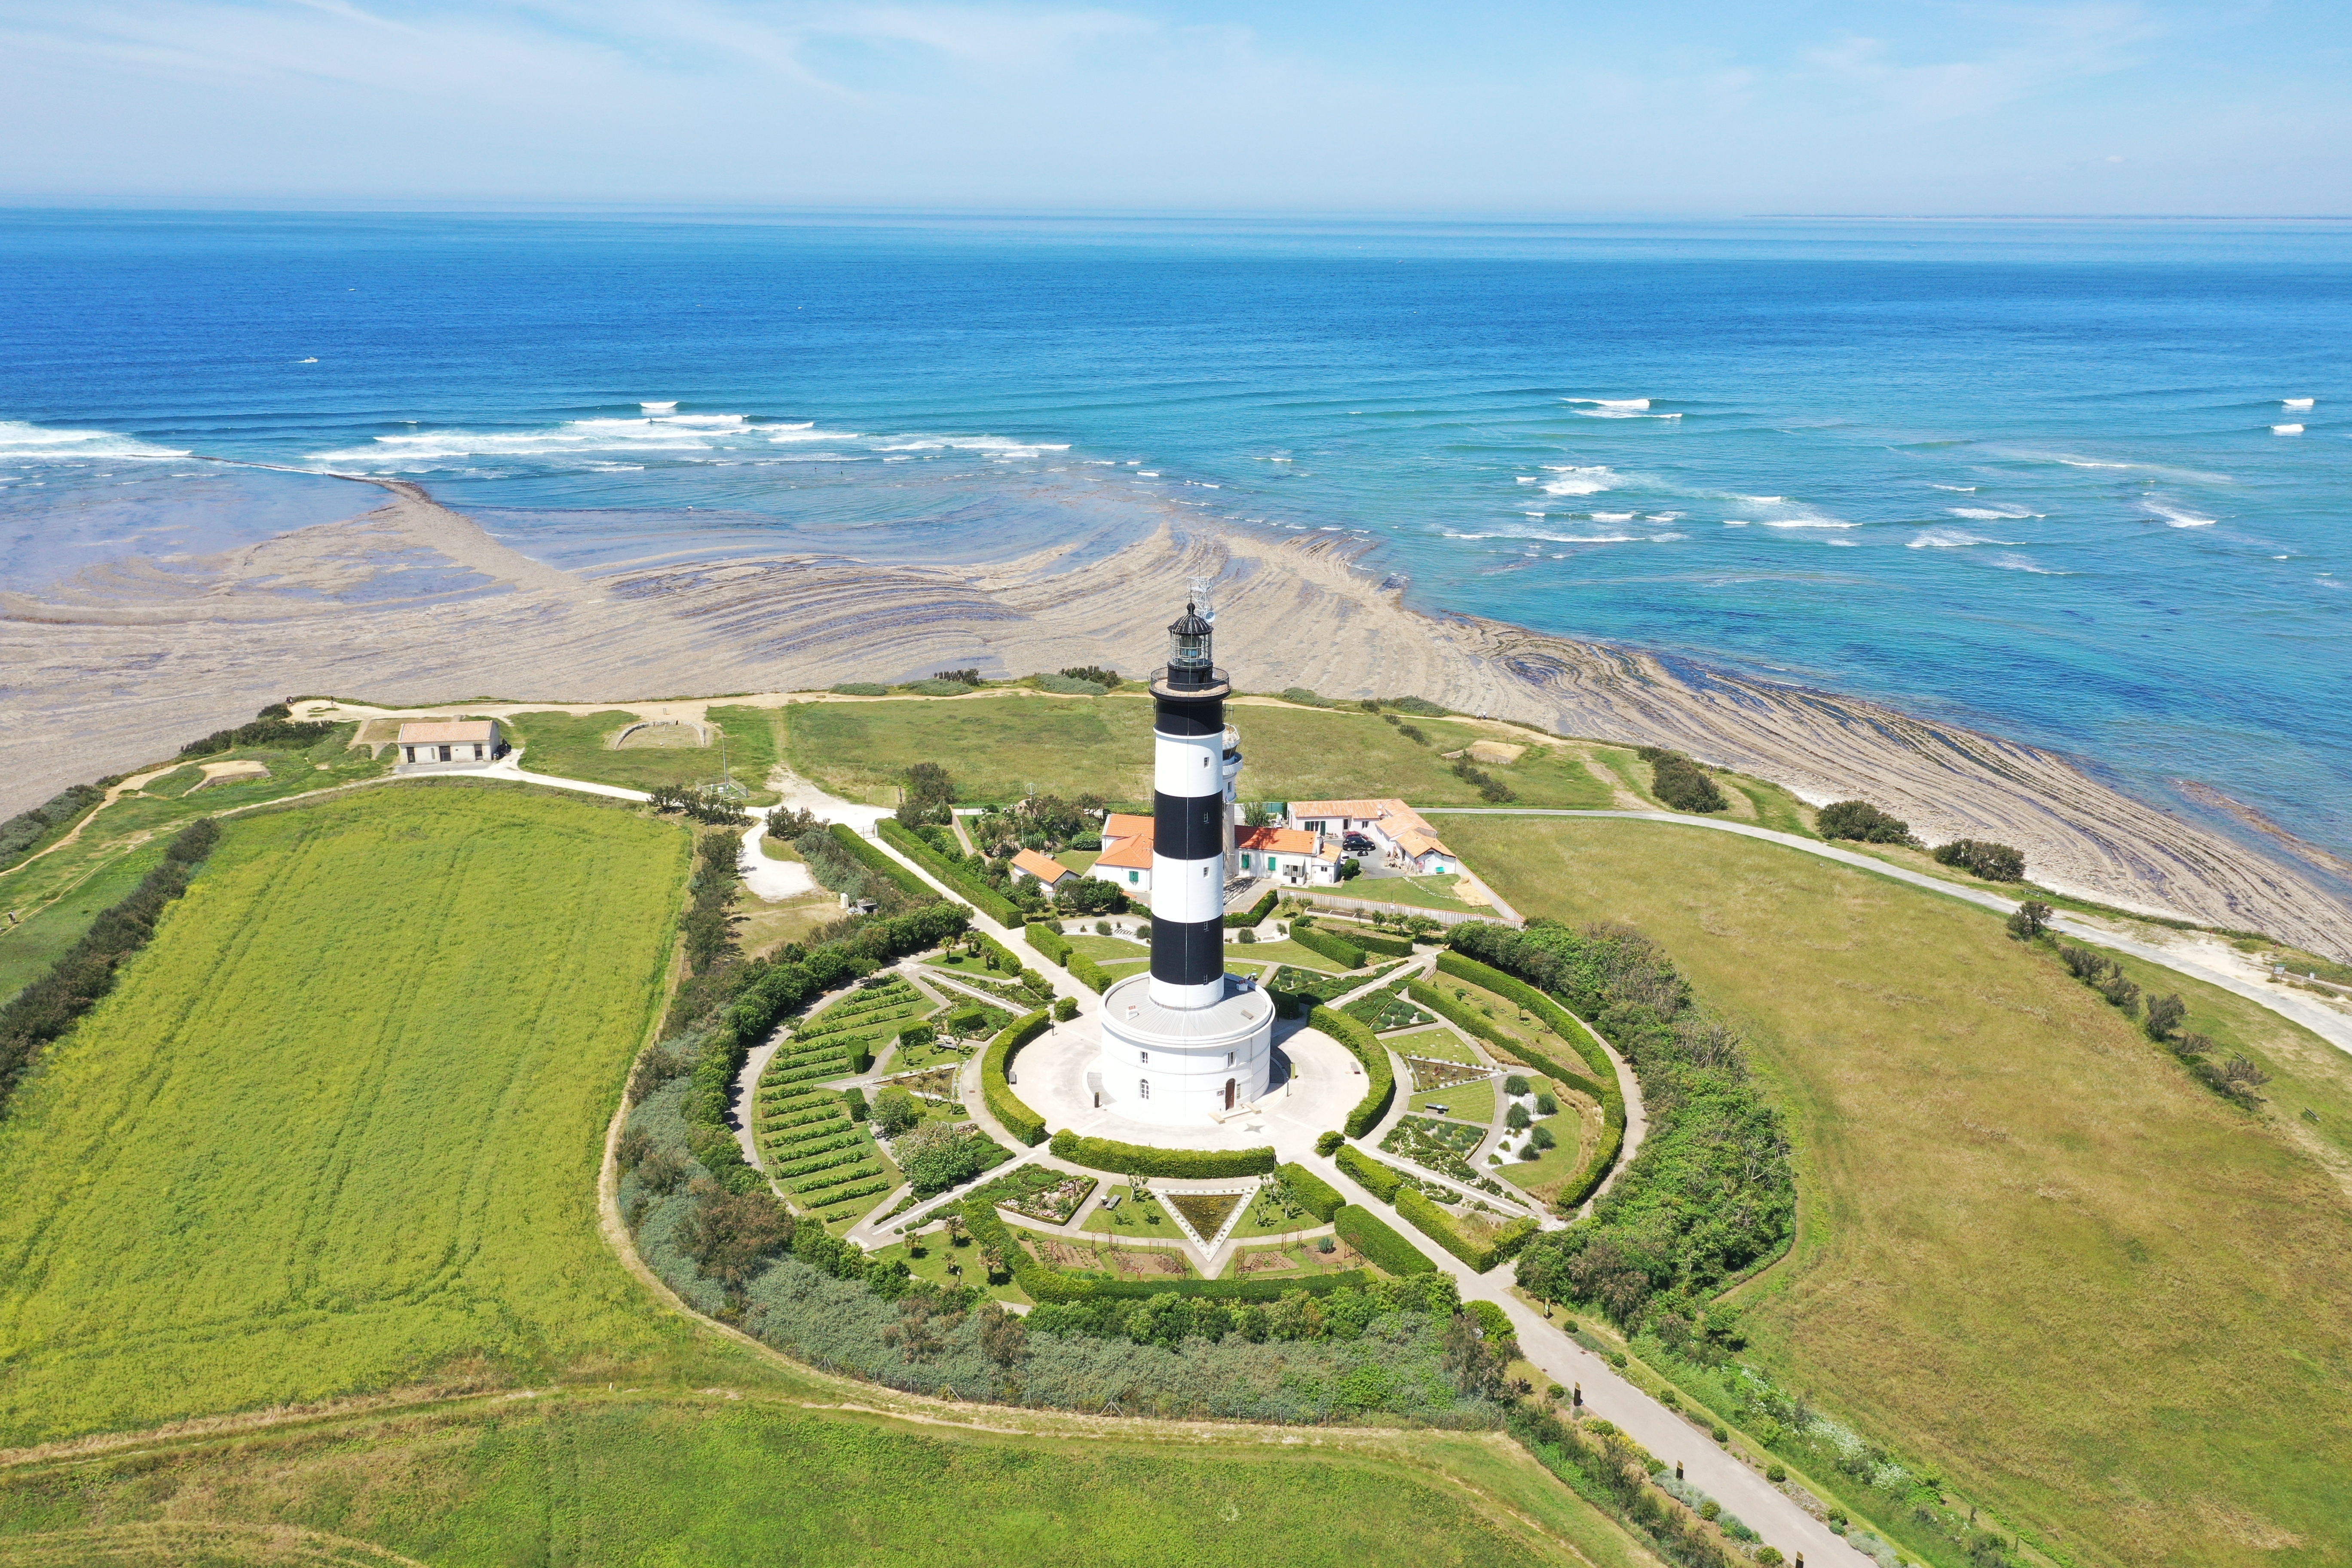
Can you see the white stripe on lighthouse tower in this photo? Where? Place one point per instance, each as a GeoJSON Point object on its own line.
{"type": "Point", "coordinates": [1188, 859]}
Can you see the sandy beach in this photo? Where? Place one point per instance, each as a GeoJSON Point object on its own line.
{"type": "Point", "coordinates": [413, 604]}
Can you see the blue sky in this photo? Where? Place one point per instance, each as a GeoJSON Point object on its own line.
{"type": "Point", "coordinates": [1564, 109]}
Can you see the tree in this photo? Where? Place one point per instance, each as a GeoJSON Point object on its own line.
{"type": "Point", "coordinates": [940, 1154]}
{"type": "Point", "coordinates": [2164, 1015]}
{"type": "Point", "coordinates": [894, 1110]}
{"type": "Point", "coordinates": [923, 1326]}
{"type": "Point", "coordinates": [1517, 1118]}
{"type": "Point", "coordinates": [1090, 896]}
{"type": "Point", "coordinates": [930, 792]}
{"type": "Point", "coordinates": [732, 1235]}
{"type": "Point", "coordinates": [1003, 1337]}
{"type": "Point", "coordinates": [1981, 857]}
{"type": "Point", "coordinates": [1476, 1366]}
{"type": "Point", "coordinates": [2031, 919]}
{"type": "Point", "coordinates": [1516, 1084]}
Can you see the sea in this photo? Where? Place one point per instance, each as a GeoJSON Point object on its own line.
{"type": "Point", "coordinates": [2086, 484]}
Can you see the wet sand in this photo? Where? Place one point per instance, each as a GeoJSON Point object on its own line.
{"type": "Point", "coordinates": [413, 604]}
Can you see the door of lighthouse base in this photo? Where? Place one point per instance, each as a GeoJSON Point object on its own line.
{"type": "Point", "coordinates": [1229, 1094]}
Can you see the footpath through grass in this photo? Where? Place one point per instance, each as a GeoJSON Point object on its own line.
{"type": "Point", "coordinates": [338, 1127]}
{"type": "Point", "coordinates": [2033, 1253]}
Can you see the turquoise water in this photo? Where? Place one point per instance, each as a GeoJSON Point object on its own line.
{"type": "Point", "coordinates": [2032, 477]}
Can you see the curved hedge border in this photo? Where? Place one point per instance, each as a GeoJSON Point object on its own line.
{"type": "Point", "coordinates": [1321, 1198]}
{"type": "Point", "coordinates": [1564, 1024]}
{"type": "Point", "coordinates": [1375, 1058]}
{"type": "Point", "coordinates": [1142, 1160]}
{"type": "Point", "coordinates": [873, 859]}
{"type": "Point", "coordinates": [1006, 1105]}
{"type": "Point", "coordinates": [1372, 942]}
{"type": "Point", "coordinates": [1365, 1231]}
{"type": "Point", "coordinates": [1344, 953]}
{"type": "Point", "coordinates": [1438, 1226]}
{"type": "Point", "coordinates": [1049, 1284]}
{"type": "Point", "coordinates": [1379, 1179]}
{"type": "Point", "coordinates": [987, 899]}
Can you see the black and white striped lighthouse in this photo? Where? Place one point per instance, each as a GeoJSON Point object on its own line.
{"type": "Point", "coordinates": [1191, 819]}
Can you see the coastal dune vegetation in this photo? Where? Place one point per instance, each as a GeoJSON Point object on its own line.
{"type": "Point", "coordinates": [2036, 1256]}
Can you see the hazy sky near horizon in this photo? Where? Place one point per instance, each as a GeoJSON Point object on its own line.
{"type": "Point", "coordinates": [2101, 107]}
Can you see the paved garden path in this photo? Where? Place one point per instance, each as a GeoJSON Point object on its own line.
{"type": "Point", "coordinates": [2313, 1014]}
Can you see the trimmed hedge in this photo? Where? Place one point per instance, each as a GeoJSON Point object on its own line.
{"type": "Point", "coordinates": [1089, 973]}
{"type": "Point", "coordinates": [1564, 1024]}
{"type": "Point", "coordinates": [1258, 911]}
{"type": "Point", "coordinates": [1191, 1164]}
{"type": "Point", "coordinates": [1344, 953]}
{"type": "Point", "coordinates": [987, 899]}
{"type": "Point", "coordinates": [1375, 1060]}
{"type": "Point", "coordinates": [1379, 1179]}
{"type": "Point", "coordinates": [1438, 1226]}
{"type": "Point", "coordinates": [1321, 1198]}
{"type": "Point", "coordinates": [1365, 1231]}
{"type": "Point", "coordinates": [1050, 942]}
{"type": "Point", "coordinates": [1049, 1284]}
{"type": "Point", "coordinates": [1006, 1105]}
{"type": "Point", "coordinates": [874, 860]}
{"type": "Point", "coordinates": [1372, 942]}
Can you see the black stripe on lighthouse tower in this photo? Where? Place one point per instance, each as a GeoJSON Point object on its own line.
{"type": "Point", "coordinates": [1189, 829]}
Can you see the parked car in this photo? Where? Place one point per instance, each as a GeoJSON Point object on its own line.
{"type": "Point", "coordinates": [1356, 844]}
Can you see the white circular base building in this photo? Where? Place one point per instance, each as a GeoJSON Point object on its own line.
{"type": "Point", "coordinates": [1184, 1067]}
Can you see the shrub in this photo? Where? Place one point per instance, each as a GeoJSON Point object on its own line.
{"type": "Point", "coordinates": [1379, 1076]}
{"type": "Point", "coordinates": [1252, 915]}
{"type": "Point", "coordinates": [1981, 857]}
{"type": "Point", "coordinates": [861, 689]}
{"type": "Point", "coordinates": [1304, 698]}
{"type": "Point", "coordinates": [1330, 1143]}
{"type": "Point", "coordinates": [1346, 955]}
{"type": "Point", "coordinates": [1089, 973]}
{"type": "Point", "coordinates": [2030, 920]}
{"type": "Point", "coordinates": [943, 1154]}
{"type": "Point", "coordinates": [874, 860]}
{"type": "Point", "coordinates": [894, 1110]}
{"type": "Point", "coordinates": [855, 1100]}
{"type": "Point", "coordinates": [1049, 941]}
{"type": "Point", "coordinates": [2164, 1015]}
{"type": "Point", "coordinates": [1517, 1085]}
{"type": "Point", "coordinates": [1002, 1103]}
{"type": "Point", "coordinates": [1680, 782]}
{"type": "Point", "coordinates": [26, 828]}
{"type": "Point", "coordinates": [1365, 1231]}
{"type": "Point", "coordinates": [1517, 1119]}
{"type": "Point", "coordinates": [1317, 1196]}
{"type": "Point", "coordinates": [1438, 1226]}
{"type": "Point", "coordinates": [935, 686]}
{"type": "Point", "coordinates": [1069, 685]}
{"type": "Point", "coordinates": [1138, 1159]}
{"type": "Point", "coordinates": [957, 875]}
{"type": "Point", "coordinates": [1864, 823]}
{"type": "Point", "coordinates": [1065, 1009]}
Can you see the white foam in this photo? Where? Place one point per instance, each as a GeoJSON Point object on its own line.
{"type": "Point", "coordinates": [1576, 482]}
{"type": "Point", "coordinates": [1734, 522]}
{"type": "Point", "coordinates": [2014, 563]}
{"type": "Point", "coordinates": [1665, 517]}
{"type": "Point", "coordinates": [2176, 517]}
{"type": "Point", "coordinates": [659, 407]}
{"type": "Point", "coordinates": [2286, 429]}
{"type": "Point", "coordinates": [1626, 403]}
{"type": "Point", "coordinates": [1812, 522]}
{"type": "Point", "coordinates": [1528, 478]}
{"type": "Point", "coordinates": [1516, 533]}
{"type": "Point", "coordinates": [1761, 501]}
{"type": "Point", "coordinates": [1962, 489]}
{"type": "Point", "coordinates": [1950, 539]}
{"type": "Point", "coordinates": [1146, 473]}
{"type": "Point", "coordinates": [23, 443]}
{"type": "Point", "coordinates": [2297, 402]}
{"type": "Point", "coordinates": [1846, 543]}
{"type": "Point", "coordinates": [1612, 516]}
{"type": "Point", "coordinates": [1991, 513]}
{"type": "Point", "coordinates": [1662, 538]}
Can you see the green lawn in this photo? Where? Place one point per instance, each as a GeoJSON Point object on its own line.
{"type": "Point", "coordinates": [718, 1481]}
{"type": "Point", "coordinates": [29, 947]}
{"type": "Point", "coordinates": [999, 746]}
{"type": "Point", "coordinates": [2033, 1255]}
{"type": "Point", "coordinates": [1131, 1217]}
{"type": "Point", "coordinates": [1540, 1177]}
{"type": "Point", "coordinates": [337, 1130]}
{"type": "Point", "coordinates": [1108, 949]}
{"type": "Point", "coordinates": [1443, 1043]}
{"type": "Point", "coordinates": [1283, 951]}
{"type": "Point", "coordinates": [579, 746]}
{"type": "Point", "coordinates": [1419, 892]}
{"type": "Point", "coordinates": [1465, 1102]}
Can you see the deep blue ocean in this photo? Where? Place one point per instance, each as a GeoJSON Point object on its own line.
{"type": "Point", "coordinates": [2085, 484]}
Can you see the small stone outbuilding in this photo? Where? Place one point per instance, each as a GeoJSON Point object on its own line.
{"type": "Point", "coordinates": [442, 744]}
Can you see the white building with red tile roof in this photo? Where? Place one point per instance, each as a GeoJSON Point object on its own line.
{"type": "Point", "coordinates": [1041, 868]}
{"type": "Point", "coordinates": [1126, 858]}
{"type": "Point", "coordinates": [1401, 835]}
{"type": "Point", "coordinates": [1288, 854]}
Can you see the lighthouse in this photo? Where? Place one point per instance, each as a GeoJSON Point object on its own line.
{"type": "Point", "coordinates": [1187, 1043]}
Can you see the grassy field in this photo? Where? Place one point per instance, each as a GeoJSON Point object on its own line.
{"type": "Point", "coordinates": [57, 896]}
{"type": "Point", "coordinates": [1542, 1178]}
{"type": "Point", "coordinates": [1000, 747]}
{"type": "Point", "coordinates": [1463, 1102]}
{"type": "Point", "coordinates": [580, 746]}
{"type": "Point", "coordinates": [336, 1131]}
{"type": "Point", "coordinates": [719, 1481]}
{"type": "Point", "coordinates": [2033, 1255]}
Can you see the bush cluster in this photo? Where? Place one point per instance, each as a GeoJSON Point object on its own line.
{"type": "Point", "coordinates": [26, 828]}
{"type": "Point", "coordinates": [1982, 857]}
{"type": "Point", "coordinates": [956, 873]}
{"type": "Point", "coordinates": [272, 729]}
{"type": "Point", "coordinates": [1293, 1317]}
{"type": "Point", "coordinates": [1316, 1195]}
{"type": "Point", "coordinates": [1338, 950]}
{"type": "Point", "coordinates": [1863, 824]}
{"type": "Point", "coordinates": [1680, 782]}
{"type": "Point", "coordinates": [1611, 1469]}
{"type": "Point", "coordinates": [1141, 1160]}
{"type": "Point", "coordinates": [1712, 1194]}
{"type": "Point", "coordinates": [1435, 1222]}
{"type": "Point", "coordinates": [84, 972]}
{"type": "Point", "coordinates": [1490, 789]}
{"type": "Point", "coordinates": [2160, 1018]}
{"type": "Point", "coordinates": [703, 802]}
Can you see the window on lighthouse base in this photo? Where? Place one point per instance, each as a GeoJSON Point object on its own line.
{"type": "Point", "coordinates": [1143, 1088]}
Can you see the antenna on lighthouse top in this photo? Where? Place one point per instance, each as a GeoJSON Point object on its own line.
{"type": "Point", "coordinates": [1197, 589]}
